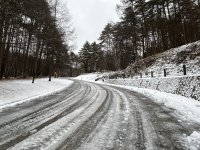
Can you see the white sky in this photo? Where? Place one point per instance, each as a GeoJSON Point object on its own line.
{"type": "Point", "coordinates": [89, 17]}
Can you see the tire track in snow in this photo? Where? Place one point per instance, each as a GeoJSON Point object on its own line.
{"type": "Point", "coordinates": [42, 105]}
{"type": "Point", "coordinates": [119, 129]}
{"type": "Point", "coordinates": [72, 124]}
{"type": "Point", "coordinates": [13, 133]}
{"type": "Point", "coordinates": [85, 129]}
{"type": "Point", "coordinates": [161, 127]}
{"type": "Point", "coordinates": [102, 117]}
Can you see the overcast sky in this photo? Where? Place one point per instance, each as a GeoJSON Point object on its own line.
{"type": "Point", "coordinates": [90, 16]}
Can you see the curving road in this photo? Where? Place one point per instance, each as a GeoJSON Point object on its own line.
{"type": "Point", "coordinates": [91, 116]}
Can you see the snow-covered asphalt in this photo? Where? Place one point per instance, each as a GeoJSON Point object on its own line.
{"type": "Point", "coordinates": [92, 116]}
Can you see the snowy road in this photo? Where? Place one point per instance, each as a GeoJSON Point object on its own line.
{"type": "Point", "coordinates": [92, 116]}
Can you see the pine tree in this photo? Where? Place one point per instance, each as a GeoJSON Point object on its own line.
{"type": "Point", "coordinates": [85, 56]}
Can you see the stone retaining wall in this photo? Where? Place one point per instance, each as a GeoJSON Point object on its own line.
{"type": "Point", "coordinates": [186, 86]}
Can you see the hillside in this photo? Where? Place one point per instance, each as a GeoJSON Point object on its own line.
{"type": "Point", "coordinates": [140, 73]}
{"type": "Point", "coordinates": [171, 60]}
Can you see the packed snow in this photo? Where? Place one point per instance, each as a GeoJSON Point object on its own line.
{"type": "Point", "coordinates": [187, 109]}
{"type": "Point", "coordinates": [88, 77]}
{"type": "Point", "coordinates": [56, 133]}
{"type": "Point", "coordinates": [13, 92]}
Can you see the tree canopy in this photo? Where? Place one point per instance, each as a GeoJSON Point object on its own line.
{"type": "Point", "coordinates": [31, 41]}
{"type": "Point", "coordinates": [147, 28]}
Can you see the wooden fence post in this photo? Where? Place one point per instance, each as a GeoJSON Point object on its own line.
{"type": "Point", "coordinates": [184, 70]}
{"type": "Point", "coordinates": [165, 73]}
{"type": "Point", "coordinates": [152, 74]}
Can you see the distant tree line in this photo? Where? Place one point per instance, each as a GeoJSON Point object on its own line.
{"type": "Point", "coordinates": [91, 57]}
{"type": "Point", "coordinates": [146, 28]}
{"type": "Point", "coordinates": [32, 42]}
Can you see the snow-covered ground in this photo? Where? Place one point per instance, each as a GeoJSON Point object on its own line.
{"type": "Point", "coordinates": [187, 109]}
{"type": "Point", "coordinates": [171, 60]}
{"type": "Point", "coordinates": [89, 76]}
{"type": "Point", "coordinates": [13, 92]}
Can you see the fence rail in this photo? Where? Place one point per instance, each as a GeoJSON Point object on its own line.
{"type": "Point", "coordinates": [166, 72]}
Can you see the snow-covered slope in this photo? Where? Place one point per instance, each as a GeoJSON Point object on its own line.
{"type": "Point", "coordinates": [13, 92]}
{"type": "Point", "coordinates": [171, 60]}
{"type": "Point", "coordinates": [139, 74]}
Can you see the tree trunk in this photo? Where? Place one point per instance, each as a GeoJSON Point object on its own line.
{"type": "Point", "coordinates": [24, 72]}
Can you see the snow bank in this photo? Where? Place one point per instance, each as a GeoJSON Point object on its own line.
{"type": "Point", "coordinates": [89, 77]}
{"type": "Point", "coordinates": [13, 92]}
{"type": "Point", "coordinates": [186, 108]}
{"type": "Point", "coordinates": [188, 86]}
